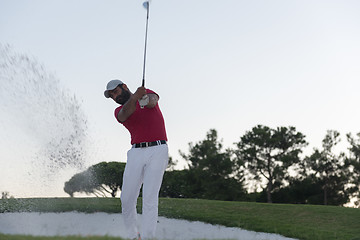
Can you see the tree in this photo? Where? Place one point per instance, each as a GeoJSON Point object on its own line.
{"type": "Point", "coordinates": [176, 184]}
{"type": "Point", "coordinates": [268, 154]}
{"type": "Point", "coordinates": [298, 191]}
{"type": "Point", "coordinates": [6, 195]}
{"type": "Point", "coordinates": [353, 161]}
{"type": "Point", "coordinates": [109, 175]}
{"type": "Point", "coordinates": [171, 164]}
{"type": "Point", "coordinates": [329, 170]}
{"type": "Point", "coordinates": [210, 173]}
{"type": "Point", "coordinates": [355, 155]}
{"type": "Point", "coordinates": [207, 156]}
{"type": "Point", "coordinates": [97, 179]}
{"type": "Point", "coordinates": [81, 182]}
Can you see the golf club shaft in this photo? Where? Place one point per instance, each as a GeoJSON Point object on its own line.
{"type": "Point", "coordinates": [146, 31]}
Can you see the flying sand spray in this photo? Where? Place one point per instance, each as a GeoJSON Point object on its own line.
{"type": "Point", "coordinates": [145, 99]}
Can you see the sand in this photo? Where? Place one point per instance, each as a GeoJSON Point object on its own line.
{"type": "Point", "coordinates": [102, 224]}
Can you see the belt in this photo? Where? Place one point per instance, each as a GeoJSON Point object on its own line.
{"type": "Point", "coordinates": [148, 144]}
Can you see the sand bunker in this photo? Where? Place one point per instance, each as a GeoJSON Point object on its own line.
{"type": "Point", "coordinates": [102, 224]}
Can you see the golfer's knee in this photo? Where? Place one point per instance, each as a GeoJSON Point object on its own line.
{"type": "Point", "coordinates": [151, 205]}
{"type": "Point", "coordinates": [127, 200]}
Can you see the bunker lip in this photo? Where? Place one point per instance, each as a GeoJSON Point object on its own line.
{"type": "Point", "coordinates": [110, 224]}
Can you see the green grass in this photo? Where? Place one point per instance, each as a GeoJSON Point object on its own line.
{"type": "Point", "coordinates": [305, 222]}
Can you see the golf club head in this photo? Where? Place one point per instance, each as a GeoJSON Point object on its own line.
{"type": "Point", "coordinates": [146, 4]}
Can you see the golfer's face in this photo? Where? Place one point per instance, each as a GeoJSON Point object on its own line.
{"type": "Point", "coordinates": [116, 92]}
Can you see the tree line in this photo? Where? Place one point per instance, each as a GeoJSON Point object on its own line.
{"type": "Point", "coordinates": [100, 179]}
{"type": "Point", "coordinates": [269, 160]}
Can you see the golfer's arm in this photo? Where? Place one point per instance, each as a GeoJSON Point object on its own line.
{"type": "Point", "coordinates": [153, 100]}
{"type": "Point", "coordinates": [128, 109]}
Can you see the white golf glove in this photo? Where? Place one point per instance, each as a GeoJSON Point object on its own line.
{"type": "Point", "coordinates": [144, 101]}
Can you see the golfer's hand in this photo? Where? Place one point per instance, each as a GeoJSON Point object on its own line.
{"type": "Point", "coordinates": [130, 106]}
{"type": "Point", "coordinates": [144, 101]}
{"type": "Point", "coordinates": [140, 92]}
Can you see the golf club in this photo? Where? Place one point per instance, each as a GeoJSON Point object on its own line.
{"type": "Point", "coordinates": [146, 6]}
{"type": "Point", "coordinates": [145, 99]}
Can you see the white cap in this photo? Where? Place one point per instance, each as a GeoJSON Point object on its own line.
{"type": "Point", "coordinates": [111, 86]}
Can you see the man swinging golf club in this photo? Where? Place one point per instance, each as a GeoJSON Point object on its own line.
{"type": "Point", "coordinates": [148, 158]}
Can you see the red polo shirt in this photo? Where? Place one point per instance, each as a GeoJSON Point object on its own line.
{"type": "Point", "coordinates": [145, 124]}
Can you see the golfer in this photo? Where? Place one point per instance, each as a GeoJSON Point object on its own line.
{"type": "Point", "coordinates": [146, 160]}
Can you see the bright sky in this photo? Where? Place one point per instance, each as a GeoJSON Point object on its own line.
{"type": "Point", "coordinates": [228, 65]}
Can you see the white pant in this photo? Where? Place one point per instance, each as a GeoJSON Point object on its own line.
{"type": "Point", "coordinates": [145, 166]}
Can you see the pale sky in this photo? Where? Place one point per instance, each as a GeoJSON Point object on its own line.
{"type": "Point", "coordinates": [228, 65]}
